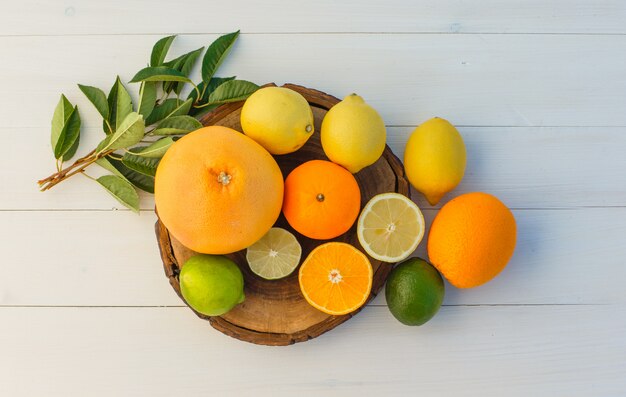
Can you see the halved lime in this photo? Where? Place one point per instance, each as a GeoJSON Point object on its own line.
{"type": "Point", "coordinates": [390, 227]}
{"type": "Point", "coordinates": [275, 255]}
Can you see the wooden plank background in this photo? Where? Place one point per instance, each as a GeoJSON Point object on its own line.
{"type": "Point", "coordinates": [538, 90]}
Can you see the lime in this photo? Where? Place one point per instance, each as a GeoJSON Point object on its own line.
{"type": "Point", "coordinates": [275, 255]}
{"type": "Point", "coordinates": [390, 227]}
{"type": "Point", "coordinates": [414, 291]}
{"type": "Point", "coordinates": [211, 284]}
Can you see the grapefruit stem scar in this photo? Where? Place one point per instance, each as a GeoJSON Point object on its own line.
{"type": "Point", "coordinates": [224, 178]}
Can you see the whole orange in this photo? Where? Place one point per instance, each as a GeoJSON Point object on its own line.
{"type": "Point", "coordinates": [322, 199]}
{"type": "Point", "coordinates": [217, 191]}
{"type": "Point", "coordinates": [472, 239]}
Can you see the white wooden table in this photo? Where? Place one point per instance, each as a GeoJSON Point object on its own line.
{"type": "Point", "coordinates": [538, 90]}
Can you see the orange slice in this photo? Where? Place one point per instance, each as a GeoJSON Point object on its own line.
{"type": "Point", "coordinates": [336, 278]}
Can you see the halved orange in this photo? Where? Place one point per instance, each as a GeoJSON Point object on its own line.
{"type": "Point", "coordinates": [336, 278]}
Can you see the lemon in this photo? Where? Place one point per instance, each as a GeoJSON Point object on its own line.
{"type": "Point", "coordinates": [390, 227]}
{"type": "Point", "coordinates": [353, 134]}
{"type": "Point", "coordinates": [275, 255]}
{"type": "Point", "coordinates": [277, 118]}
{"type": "Point", "coordinates": [414, 292]}
{"type": "Point", "coordinates": [211, 284]}
{"type": "Point", "coordinates": [434, 159]}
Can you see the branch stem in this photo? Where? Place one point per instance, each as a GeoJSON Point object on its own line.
{"type": "Point", "coordinates": [205, 105]}
{"type": "Point", "coordinates": [77, 167]}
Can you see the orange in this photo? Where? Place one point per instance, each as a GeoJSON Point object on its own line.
{"type": "Point", "coordinates": [336, 278]}
{"type": "Point", "coordinates": [218, 191]}
{"type": "Point", "coordinates": [472, 239]}
{"type": "Point", "coordinates": [322, 199]}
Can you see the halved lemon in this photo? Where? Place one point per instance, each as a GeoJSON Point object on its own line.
{"type": "Point", "coordinates": [390, 227]}
{"type": "Point", "coordinates": [275, 255]}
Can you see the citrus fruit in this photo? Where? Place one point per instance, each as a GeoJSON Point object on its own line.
{"type": "Point", "coordinates": [471, 239]}
{"type": "Point", "coordinates": [211, 284]}
{"type": "Point", "coordinates": [322, 200]}
{"type": "Point", "coordinates": [353, 134]}
{"type": "Point", "coordinates": [414, 292]}
{"type": "Point", "coordinates": [434, 159]}
{"type": "Point", "coordinates": [390, 227]}
{"type": "Point", "coordinates": [336, 278]}
{"type": "Point", "coordinates": [278, 118]}
{"type": "Point", "coordinates": [275, 255]}
{"type": "Point", "coordinates": [218, 191]}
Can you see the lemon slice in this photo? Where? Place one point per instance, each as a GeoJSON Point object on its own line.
{"type": "Point", "coordinates": [275, 255]}
{"type": "Point", "coordinates": [390, 227]}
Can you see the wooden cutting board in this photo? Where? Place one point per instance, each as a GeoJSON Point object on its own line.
{"type": "Point", "coordinates": [275, 312]}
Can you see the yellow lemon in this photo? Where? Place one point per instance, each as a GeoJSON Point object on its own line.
{"type": "Point", "coordinates": [353, 134]}
{"type": "Point", "coordinates": [277, 118]}
{"type": "Point", "coordinates": [434, 159]}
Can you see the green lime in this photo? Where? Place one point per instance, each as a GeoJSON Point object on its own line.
{"type": "Point", "coordinates": [211, 284]}
{"type": "Point", "coordinates": [414, 291]}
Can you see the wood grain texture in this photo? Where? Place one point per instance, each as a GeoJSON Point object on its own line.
{"type": "Point", "coordinates": [110, 258]}
{"type": "Point", "coordinates": [463, 351]}
{"type": "Point", "coordinates": [59, 17]}
{"type": "Point", "coordinates": [526, 167]}
{"type": "Point", "coordinates": [539, 90]}
{"type": "Point", "coordinates": [275, 312]}
{"type": "Point", "coordinates": [472, 80]}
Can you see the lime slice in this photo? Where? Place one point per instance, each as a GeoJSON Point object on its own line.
{"type": "Point", "coordinates": [275, 255]}
{"type": "Point", "coordinates": [390, 227]}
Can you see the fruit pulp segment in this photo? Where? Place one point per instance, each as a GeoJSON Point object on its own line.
{"type": "Point", "coordinates": [335, 281]}
{"type": "Point", "coordinates": [276, 255]}
{"type": "Point", "coordinates": [391, 226]}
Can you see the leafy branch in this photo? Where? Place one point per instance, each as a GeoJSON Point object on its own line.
{"type": "Point", "coordinates": [159, 118]}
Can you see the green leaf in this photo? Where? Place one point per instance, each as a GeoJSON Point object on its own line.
{"type": "Point", "coordinates": [123, 191]}
{"type": "Point", "coordinates": [176, 64]}
{"type": "Point", "coordinates": [232, 91]}
{"type": "Point", "coordinates": [129, 133]}
{"type": "Point", "coordinates": [143, 182]}
{"type": "Point", "coordinates": [143, 165]}
{"type": "Point", "coordinates": [106, 164]}
{"type": "Point", "coordinates": [159, 51]}
{"type": "Point", "coordinates": [120, 105]}
{"type": "Point", "coordinates": [155, 150]}
{"type": "Point", "coordinates": [72, 150]}
{"type": "Point", "coordinates": [206, 89]}
{"type": "Point", "coordinates": [213, 84]}
{"type": "Point", "coordinates": [147, 98]}
{"type": "Point", "coordinates": [62, 112]}
{"type": "Point", "coordinates": [183, 64]}
{"type": "Point", "coordinates": [216, 54]}
{"type": "Point", "coordinates": [177, 125]}
{"type": "Point", "coordinates": [159, 73]}
{"type": "Point", "coordinates": [65, 140]}
{"type": "Point", "coordinates": [169, 108]}
{"type": "Point", "coordinates": [98, 98]}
